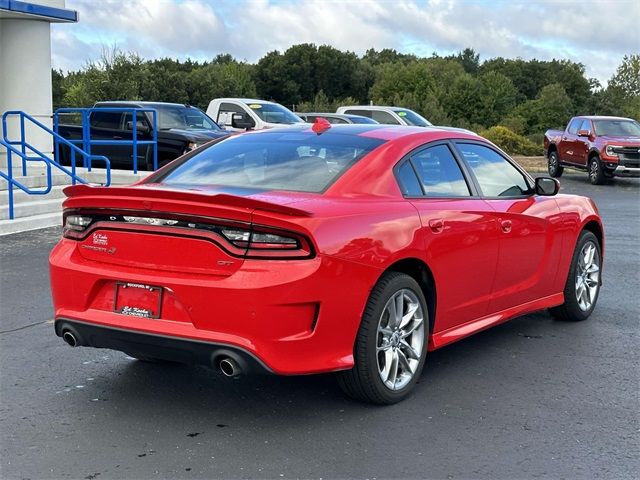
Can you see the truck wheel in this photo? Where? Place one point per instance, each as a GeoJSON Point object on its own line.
{"type": "Point", "coordinates": [391, 344]}
{"type": "Point", "coordinates": [583, 282]}
{"type": "Point", "coordinates": [596, 171]}
{"type": "Point", "coordinates": [553, 165]}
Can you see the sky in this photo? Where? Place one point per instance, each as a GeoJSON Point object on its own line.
{"type": "Point", "coordinates": [596, 33]}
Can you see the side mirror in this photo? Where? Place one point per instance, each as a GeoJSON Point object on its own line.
{"type": "Point", "coordinates": [547, 186]}
{"type": "Point", "coordinates": [242, 121]}
{"type": "Point", "coordinates": [140, 127]}
{"type": "Point", "coordinates": [584, 133]}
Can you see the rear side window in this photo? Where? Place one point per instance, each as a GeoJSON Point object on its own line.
{"type": "Point", "coordinates": [439, 173]}
{"type": "Point", "coordinates": [273, 160]}
{"type": "Point", "coordinates": [409, 183]}
{"type": "Point", "coordinates": [384, 117]}
{"type": "Point", "coordinates": [106, 119]}
{"type": "Point", "coordinates": [495, 174]}
{"type": "Point", "coordinates": [364, 113]}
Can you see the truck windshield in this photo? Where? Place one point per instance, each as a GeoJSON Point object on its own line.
{"type": "Point", "coordinates": [412, 118]}
{"type": "Point", "coordinates": [184, 118]}
{"type": "Point", "coordinates": [297, 161]}
{"type": "Point", "coordinates": [617, 128]}
{"type": "Point", "coordinates": [274, 113]}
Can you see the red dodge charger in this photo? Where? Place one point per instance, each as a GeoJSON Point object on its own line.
{"type": "Point", "coordinates": [354, 248]}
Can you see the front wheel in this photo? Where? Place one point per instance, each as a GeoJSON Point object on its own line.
{"type": "Point", "coordinates": [596, 171]}
{"type": "Point", "coordinates": [390, 347]}
{"type": "Point", "coordinates": [583, 282]}
{"type": "Point", "coordinates": [553, 165]}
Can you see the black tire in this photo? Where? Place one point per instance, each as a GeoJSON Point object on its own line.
{"type": "Point", "coordinates": [363, 382]}
{"type": "Point", "coordinates": [596, 171]}
{"type": "Point", "coordinates": [571, 310]}
{"type": "Point", "coordinates": [553, 165]}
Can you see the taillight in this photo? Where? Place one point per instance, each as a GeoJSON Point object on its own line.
{"type": "Point", "coordinates": [250, 241]}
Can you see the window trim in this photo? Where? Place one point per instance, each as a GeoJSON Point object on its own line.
{"type": "Point", "coordinates": [471, 185]}
{"type": "Point", "coordinates": [527, 177]}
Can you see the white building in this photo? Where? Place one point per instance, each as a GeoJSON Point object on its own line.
{"type": "Point", "coordinates": [25, 61]}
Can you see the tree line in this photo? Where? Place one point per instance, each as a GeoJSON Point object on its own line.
{"type": "Point", "coordinates": [511, 101]}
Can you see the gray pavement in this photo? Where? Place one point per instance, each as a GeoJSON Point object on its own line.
{"type": "Point", "coordinates": [533, 398]}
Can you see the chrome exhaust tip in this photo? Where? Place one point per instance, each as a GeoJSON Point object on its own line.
{"type": "Point", "coordinates": [229, 367]}
{"type": "Point", "coordinates": [70, 338]}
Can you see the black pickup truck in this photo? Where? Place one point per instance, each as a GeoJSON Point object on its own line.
{"type": "Point", "coordinates": [181, 128]}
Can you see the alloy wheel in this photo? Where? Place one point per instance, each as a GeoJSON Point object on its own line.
{"type": "Point", "coordinates": [587, 279]}
{"type": "Point", "coordinates": [400, 339]}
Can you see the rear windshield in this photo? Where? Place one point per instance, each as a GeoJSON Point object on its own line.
{"type": "Point", "coordinates": [297, 161]}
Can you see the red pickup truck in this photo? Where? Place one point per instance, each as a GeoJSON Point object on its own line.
{"type": "Point", "coordinates": [604, 147]}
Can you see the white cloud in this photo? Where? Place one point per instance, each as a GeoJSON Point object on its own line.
{"type": "Point", "coordinates": [596, 33]}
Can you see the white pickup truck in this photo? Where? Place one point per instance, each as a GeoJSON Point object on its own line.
{"type": "Point", "coordinates": [250, 114]}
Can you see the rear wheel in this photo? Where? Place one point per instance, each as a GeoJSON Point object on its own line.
{"type": "Point", "coordinates": [583, 282]}
{"type": "Point", "coordinates": [596, 171]}
{"type": "Point", "coordinates": [390, 348]}
{"type": "Point", "coordinates": [553, 165]}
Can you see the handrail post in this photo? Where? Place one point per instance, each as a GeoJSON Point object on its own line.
{"type": "Point", "coordinates": [56, 145]}
{"type": "Point", "coordinates": [86, 139]}
{"type": "Point", "coordinates": [23, 142]}
{"type": "Point", "coordinates": [10, 186]}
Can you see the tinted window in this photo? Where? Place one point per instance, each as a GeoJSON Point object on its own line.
{"type": "Point", "coordinates": [273, 160]}
{"type": "Point", "coordinates": [409, 183]}
{"type": "Point", "coordinates": [439, 173]}
{"type": "Point", "coordinates": [574, 126]}
{"type": "Point", "coordinates": [356, 119]}
{"type": "Point", "coordinates": [106, 119]}
{"type": "Point", "coordinates": [139, 119]}
{"type": "Point", "coordinates": [364, 113]}
{"type": "Point", "coordinates": [384, 117]}
{"type": "Point", "coordinates": [497, 176]}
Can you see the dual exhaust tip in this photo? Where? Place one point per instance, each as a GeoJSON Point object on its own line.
{"type": "Point", "coordinates": [228, 366]}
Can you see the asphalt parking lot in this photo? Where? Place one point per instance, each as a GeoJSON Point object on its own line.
{"type": "Point", "coordinates": [528, 399]}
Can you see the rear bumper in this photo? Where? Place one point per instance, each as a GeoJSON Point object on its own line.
{"type": "Point", "coordinates": [191, 352]}
{"type": "Point", "coordinates": [292, 316]}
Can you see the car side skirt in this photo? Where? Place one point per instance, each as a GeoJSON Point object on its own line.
{"type": "Point", "coordinates": [445, 337]}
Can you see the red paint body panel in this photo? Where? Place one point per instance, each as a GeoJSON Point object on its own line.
{"type": "Point", "coordinates": [301, 316]}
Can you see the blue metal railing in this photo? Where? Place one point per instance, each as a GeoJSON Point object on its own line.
{"type": "Point", "coordinates": [28, 153]}
{"type": "Point", "coordinates": [87, 141]}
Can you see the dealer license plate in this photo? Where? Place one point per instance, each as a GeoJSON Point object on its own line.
{"type": "Point", "coordinates": [138, 300]}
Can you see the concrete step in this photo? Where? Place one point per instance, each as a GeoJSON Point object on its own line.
{"type": "Point", "coordinates": [33, 222]}
{"type": "Point", "coordinates": [21, 197]}
{"type": "Point", "coordinates": [34, 207]}
{"type": "Point", "coordinates": [96, 176]}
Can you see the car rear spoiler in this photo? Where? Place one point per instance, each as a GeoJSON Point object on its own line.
{"type": "Point", "coordinates": [216, 199]}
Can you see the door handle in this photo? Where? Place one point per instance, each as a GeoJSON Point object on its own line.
{"type": "Point", "coordinates": [436, 225]}
{"type": "Point", "coordinates": [505, 225]}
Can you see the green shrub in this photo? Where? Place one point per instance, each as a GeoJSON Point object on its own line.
{"type": "Point", "coordinates": [511, 142]}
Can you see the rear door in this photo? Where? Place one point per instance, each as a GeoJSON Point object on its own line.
{"type": "Point", "coordinates": [459, 230]}
{"type": "Point", "coordinates": [570, 142]}
{"type": "Point", "coordinates": [528, 224]}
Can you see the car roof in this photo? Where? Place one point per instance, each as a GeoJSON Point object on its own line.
{"type": "Point", "coordinates": [603, 117]}
{"type": "Point", "coordinates": [244, 100]}
{"type": "Point", "coordinates": [335, 115]}
{"type": "Point", "coordinates": [143, 104]}
{"type": "Point", "coordinates": [379, 131]}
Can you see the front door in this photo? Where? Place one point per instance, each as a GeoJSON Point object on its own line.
{"type": "Point", "coordinates": [528, 225]}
